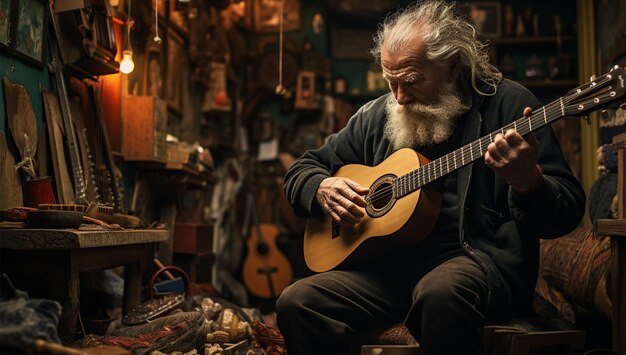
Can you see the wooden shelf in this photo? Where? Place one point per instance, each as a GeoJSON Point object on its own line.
{"type": "Point", "coordinates": [160, 173]}
{"type": "Point", "coordinates": [545, 83]}
{"type": "Point", "coordinates": [532, 40]}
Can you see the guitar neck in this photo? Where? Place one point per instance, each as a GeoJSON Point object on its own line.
{"type": "Point", "coordinates": [607, 89]}
{"type": "Point", "coordinates": [470, 152]}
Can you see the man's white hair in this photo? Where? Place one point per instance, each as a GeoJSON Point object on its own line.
{"type": "Point", "coordinates": [445, 34]}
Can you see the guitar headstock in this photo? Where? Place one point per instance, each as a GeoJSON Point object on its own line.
{"type": "Point", "coordinates": [605, 91]}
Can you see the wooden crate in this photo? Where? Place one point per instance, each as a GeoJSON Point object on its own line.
{"type": "Point", "coordinates": [193, 238]}
{"type": "Point", "coordinates": [144, 128]}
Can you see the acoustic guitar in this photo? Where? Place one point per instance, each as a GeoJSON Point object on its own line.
{"type": "Point", "coordinates": [266, 271]}
{"type": "Point", "coordinates": [400, 212]}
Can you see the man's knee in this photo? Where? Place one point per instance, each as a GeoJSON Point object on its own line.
{"type": "Point", "coordinates": [450, 283]}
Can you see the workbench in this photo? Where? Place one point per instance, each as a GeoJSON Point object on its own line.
{"type": "Point", "coordinates": [46, 263]}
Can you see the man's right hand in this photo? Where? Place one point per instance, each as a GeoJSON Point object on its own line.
{"type": "Point", "coordinates": [341, 199]}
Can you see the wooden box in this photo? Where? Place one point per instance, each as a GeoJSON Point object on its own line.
{"type": "Point", "coordinates": [193, 238]}
{"type": "Point", "coordinates": [144, 128]}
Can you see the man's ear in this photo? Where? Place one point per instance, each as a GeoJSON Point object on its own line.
{"type": "Point", "coordinates": [454, 68]}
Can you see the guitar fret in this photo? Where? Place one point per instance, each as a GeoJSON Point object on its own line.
{"type": "Point", "coordinates": [545, 117]}
{"type": "Point", "coordinates": [455, 159]}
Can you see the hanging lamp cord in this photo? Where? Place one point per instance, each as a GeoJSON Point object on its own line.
{"type": "Point", "coordinates": [280, 89]}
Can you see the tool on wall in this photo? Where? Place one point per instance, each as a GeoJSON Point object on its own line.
{"type": "Point", "coordinates": [56, 67]}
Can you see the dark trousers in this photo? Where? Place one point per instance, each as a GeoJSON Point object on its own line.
{"type": "Point", "coordinates": [329, 313]}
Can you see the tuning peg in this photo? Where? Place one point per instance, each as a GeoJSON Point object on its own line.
{"type": "Point", "coordinates": [592, 78]}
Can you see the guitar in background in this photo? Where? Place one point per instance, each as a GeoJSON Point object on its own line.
{"type": "Point", "coordinates": [266, 270]}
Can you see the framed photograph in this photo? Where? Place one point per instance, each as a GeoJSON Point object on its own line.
{"type": "Point", "coordinates": [29, 35]}
{"type": "Point", "coordinates": [176, 61]}
{"type": "Point", "coordinates": [5, 23]}
{"type": "Point", "coordinates": [267, 15]}
{"type": "Point", "coordinates": [485, 16]}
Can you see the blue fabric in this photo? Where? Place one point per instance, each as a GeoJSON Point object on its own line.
{"type": "Point", "coordinates": [23, 320]}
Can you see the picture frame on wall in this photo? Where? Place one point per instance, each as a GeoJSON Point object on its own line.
{"type": "Point", "coordinates": [267, 15]}
{"type": "Point", "coordinates": [5, 23]}
{"type": "Point", "coordinates": [29, 37]}
{"type": "Point", "coordinates": [486, 16]}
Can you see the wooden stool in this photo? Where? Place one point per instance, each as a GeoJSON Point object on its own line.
{"type": "Point", "coordinates": [511, 340]}
{"type": "Point", "coordinates": [517, 337]}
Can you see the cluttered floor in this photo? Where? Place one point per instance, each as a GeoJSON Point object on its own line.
{"type": "Point", "coordinates": [199, 321]}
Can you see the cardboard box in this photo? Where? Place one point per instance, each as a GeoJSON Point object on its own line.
{"type": "Point", "coordinates": [144, 128]}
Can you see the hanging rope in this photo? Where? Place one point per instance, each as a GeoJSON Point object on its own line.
{"type": "Point", "coordinates": [280, 89]}
{"type": "Point", "coordinates": [157, 39]}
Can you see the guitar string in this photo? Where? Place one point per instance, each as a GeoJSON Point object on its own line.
{"type": "Point", "coordinates": [424, 173]}
{"type": "Point", "coordinates": [556, 106]}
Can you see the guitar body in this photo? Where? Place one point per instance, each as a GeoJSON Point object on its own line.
{"type": "Point", "coordinates": [407, 220]}
{"type": "Point", "coordinates": [266, 270]}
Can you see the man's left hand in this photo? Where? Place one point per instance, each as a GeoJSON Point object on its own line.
{"type": "Point", "coordinates": [515, 159]}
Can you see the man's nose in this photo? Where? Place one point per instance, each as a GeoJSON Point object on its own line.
{"type": "Point", "coordinates": [403, 97]}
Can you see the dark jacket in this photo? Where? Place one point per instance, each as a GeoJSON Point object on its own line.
{"type": "Point", "coordinates": [498, 228]}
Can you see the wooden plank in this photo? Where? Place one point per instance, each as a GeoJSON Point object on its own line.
{"type": "Point", "coordinates": [11, 195]}
{"type": "Point", "coordinates": [20, 118]}
{"type": "Point", "coordinates": [618, 258]}
{"type": "Point", "coordinates": [42, 153]}
{"type": "Point", "coordinates": [58, 239]}
{"type": "Point", "coordinates": [611, 227]}
{"type": "Point", "coordinates": [91, 259]}
{"type": "Point", "coordinates": [63, 183]}
{"type": "Point", "coordinates": [618, 297]}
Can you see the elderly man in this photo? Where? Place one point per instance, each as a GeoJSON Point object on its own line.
{"type": "Point", "coordinates": [479, 262]}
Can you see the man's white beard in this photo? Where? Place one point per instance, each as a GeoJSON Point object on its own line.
{"type": "Point", "coordinates": [418, 124]}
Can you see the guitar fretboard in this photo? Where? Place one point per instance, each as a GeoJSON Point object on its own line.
{"type": "Point", "coordinates": [577, 102]}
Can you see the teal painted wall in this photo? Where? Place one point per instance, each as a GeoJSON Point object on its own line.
{"type": "Point", "coordinates": [30, 76]}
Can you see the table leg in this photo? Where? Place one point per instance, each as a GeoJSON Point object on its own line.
{"type": "Point", "coordinates": [132, 286]}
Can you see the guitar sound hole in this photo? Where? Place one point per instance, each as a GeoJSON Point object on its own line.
{"type": "Point", "coordinates": [381, 196]}
{"type": "Point", "coordinates": [262, 249]}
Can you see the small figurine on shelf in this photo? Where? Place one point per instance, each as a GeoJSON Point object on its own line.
{"type": "Point", "coordinates": [520, 29]}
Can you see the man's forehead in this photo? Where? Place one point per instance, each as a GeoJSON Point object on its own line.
{"type": "Point", "coordinates": [408, 74]}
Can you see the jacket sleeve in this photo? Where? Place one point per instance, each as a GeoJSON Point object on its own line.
{"type": "Point", "coordinates": [557, 206]}
{"type": "Point", "coordinates": [307, 172]}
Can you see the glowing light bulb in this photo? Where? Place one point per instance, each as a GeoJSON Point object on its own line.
{"type": "Point", "coordinates": [127, 65]}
